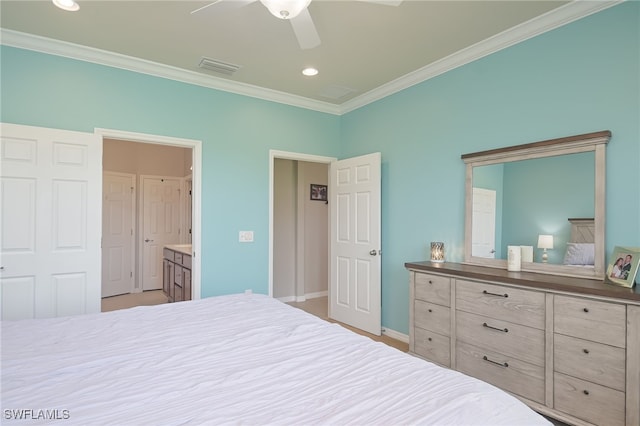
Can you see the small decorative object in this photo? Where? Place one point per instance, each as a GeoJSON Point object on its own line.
{"type": "Point", "coordinates": [437, 252]}
{"type": "Point", "coordinates": [527, 253]}
{"type": "Point", "coordinates": [514, 258]}
{"type": "Point", "coordinates": [545, 242]}
{"type": "Point", "coordinates": [623, 267]}
{"type": "Point", "coordinates": [318, 192]}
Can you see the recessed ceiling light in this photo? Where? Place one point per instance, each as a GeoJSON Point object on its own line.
{"type": "Point", "coordinates": [310, 72]}
{"type": "Point", "coordinates": [69, 5]}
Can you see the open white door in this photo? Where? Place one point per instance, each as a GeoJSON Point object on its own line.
{"type": "Point", "coordinates": [50, 222]}
{"type": "Point", "coordinates": [484, 223]}
{"type": "Point", "coordinates": [160, 225]}
{"type": "Point", "coordinates": [118, 218]}
{"type": "Point", "coordinates": [355, 249]}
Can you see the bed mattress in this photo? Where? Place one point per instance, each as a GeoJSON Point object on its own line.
{"type": "Point", "coordinates": [238, 359]}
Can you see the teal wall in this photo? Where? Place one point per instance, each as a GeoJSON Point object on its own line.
{"type": "Point", "coordinates": [576, 79]}
{"type": "Point", "coordinates": [580, 78]}
{"type": "Point", "coordinates": [237, 134]}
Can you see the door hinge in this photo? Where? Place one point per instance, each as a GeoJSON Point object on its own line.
{"type": "Point", "coordinates": [131, 274]}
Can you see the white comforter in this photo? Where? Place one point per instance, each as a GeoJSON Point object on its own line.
{"type": "Point", "coordinates": [240, 359]}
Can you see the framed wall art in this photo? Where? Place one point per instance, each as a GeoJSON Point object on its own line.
{"type": "Point", "coordinates": [318, 192]}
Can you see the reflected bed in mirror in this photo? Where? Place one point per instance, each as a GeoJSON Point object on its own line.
{"type": "Point", "coordinates": [552, 188]}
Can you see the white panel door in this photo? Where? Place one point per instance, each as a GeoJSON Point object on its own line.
{"type": "Point", "coordinates": [50, 222]}
{"type": "Point", "coordinates": [484, 223]}
{"type": "Point", "coordinates": [160, 225]}
{"type": "Point", "coordinates": [355, 249]}
{"type": "Point", "coordinates": [117, 233]}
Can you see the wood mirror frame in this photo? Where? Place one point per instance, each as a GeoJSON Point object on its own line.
{"type": "Point", "coordinates": [595, 142]}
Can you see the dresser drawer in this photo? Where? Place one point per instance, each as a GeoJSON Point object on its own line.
{"type": "Point", "coordinates": [513, 375]}
{"type": "Point", "coordinates": [524, 307]}
{"type": "Point", "coordinates": [432, 288]}
{"type": "Point", "coordinates": [587, 401]}
{"type": "Point", "coordinates": [432, 317]}
{"type": "Point", "coordinates": [178, 258]}
{"type": "Point", "coordinates": [514, 340]}
{"type": "Point", "coordinates": [186, 261]}
{"type": "Point", "coordinates": [595, 362]}
{"type": "Point", "coordinates": [602, 322]}
{"type": "Point", "coordinates": [432, 346]}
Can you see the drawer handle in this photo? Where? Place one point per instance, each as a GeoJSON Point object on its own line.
{"type": "Point", "coordinates": [501, 364]}
{"type": "Point", "coordinates": [585, 309]}
{"type": "Point", "coordinates": [586, 351]}
{"type": "Point", "coordinates": [429, 338]}
{"type": "Point", "coordinates": [504, 330]}
{"type": "Point", "coordinates": [430, 310]}
{"type": "Point", "coordinates": [586, 392]}
{"type": "Point", "coordinates": [430, 282]}
{"type": "Point", "coordinates": [494, 294]}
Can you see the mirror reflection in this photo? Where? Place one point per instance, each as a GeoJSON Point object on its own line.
{"type": "Point", "coordinates": [546, 205]}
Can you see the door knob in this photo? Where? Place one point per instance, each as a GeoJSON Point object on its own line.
{"type": "Point", "coordinates": [373, 252]}
{"type": "Point", "coordinates": [146, 240]}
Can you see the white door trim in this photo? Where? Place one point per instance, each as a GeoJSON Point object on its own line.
{"type": "Point", "coordinates": [285, 155]}
{"type": "Point", "coordinates": [196, 146]}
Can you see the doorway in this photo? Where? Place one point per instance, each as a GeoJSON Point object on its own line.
{"type": "Point", "coordinates": [298, 234]}
{"type": "Point", "coordinates": [152, 159]}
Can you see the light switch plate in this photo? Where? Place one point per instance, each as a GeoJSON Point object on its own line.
{"type": "Point", "coordinates": [245, 236]}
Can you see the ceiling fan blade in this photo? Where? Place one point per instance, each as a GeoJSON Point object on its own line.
{"type": "Point", "coordinates": [305, 30]}
{"type": "Point", "coordinates": [224, 4]}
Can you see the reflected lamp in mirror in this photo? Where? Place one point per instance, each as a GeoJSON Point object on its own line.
{"type": "Point", "coordinates": [437, 252]}
{"type": "Point", "coordinates": [545, 242]}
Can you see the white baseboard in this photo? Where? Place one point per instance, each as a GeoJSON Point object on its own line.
{"type": "Point", "coordinates": [317, 294]}
{"type": "Point", "coordinates": [298, 299]}
{"type": "Point", "coordinates": [395, 335]}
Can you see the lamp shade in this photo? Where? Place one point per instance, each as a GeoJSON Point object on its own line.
{"type": "Point", "coordinates": [437, 252]}
{"type": "Point", "coordinates": [545, 241]}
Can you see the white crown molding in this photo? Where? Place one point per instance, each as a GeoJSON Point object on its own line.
{"type": "Point", "coordinates": [556, 18]}
{"type": "Point", "coordinates": [116, 60]}
{"type": "Point", "coordinates": [563, 15]}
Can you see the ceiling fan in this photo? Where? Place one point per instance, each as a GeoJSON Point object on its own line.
{"type": "Point", "coordinates": [294, 11]}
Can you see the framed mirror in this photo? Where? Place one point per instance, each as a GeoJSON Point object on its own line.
{"type": "Point", "coordinates": [547, 197]}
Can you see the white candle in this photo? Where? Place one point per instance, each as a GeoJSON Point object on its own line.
{"type": "Point", "coordinates": [527, 253]}
{"type": "Point", "coordinates": [514, 258]}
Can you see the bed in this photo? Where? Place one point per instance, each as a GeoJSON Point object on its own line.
{"type": "Point", "coordinates": [237, 359]}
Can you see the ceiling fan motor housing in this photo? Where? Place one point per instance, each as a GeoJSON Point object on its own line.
{"type": "Point", "coordinates": [285, 9]}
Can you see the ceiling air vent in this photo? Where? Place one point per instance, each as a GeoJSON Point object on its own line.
{"type": "Point", "coordinates": [218, 66]}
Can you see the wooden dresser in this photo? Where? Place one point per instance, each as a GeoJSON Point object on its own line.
{"type": "Point", "coordinates": [568, 347]}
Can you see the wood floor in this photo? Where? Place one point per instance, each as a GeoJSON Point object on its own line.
{"type": "Point", "coordinates": [318, 307]}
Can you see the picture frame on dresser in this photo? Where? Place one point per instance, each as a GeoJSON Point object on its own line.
{"type": "Point", "coordinates": [623, 267]}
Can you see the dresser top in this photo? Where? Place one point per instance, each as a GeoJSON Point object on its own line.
{"type": "Point", "coordinates": [530, 279]}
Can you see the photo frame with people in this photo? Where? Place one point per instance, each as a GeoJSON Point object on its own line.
{"type": "Point", "coordinates": [623, 267]}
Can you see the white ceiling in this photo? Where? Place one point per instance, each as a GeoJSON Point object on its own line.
{"type": "Point", "coordinates": [367, 50]}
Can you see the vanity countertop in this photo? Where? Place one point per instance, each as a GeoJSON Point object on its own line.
{"type": "Point", "coordinates": [180, 248]}
{"type": "Point", "coordinates": [531, 279]}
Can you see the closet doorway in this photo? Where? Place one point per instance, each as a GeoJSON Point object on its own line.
{"type": "Point", "coordinates": [299, 233]}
